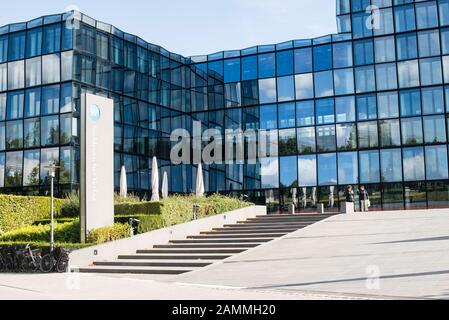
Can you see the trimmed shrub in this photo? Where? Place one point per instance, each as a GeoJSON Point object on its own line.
{"type": "Point", "coordinates": [147, 222]}
{"type": "Point", "coordinates": [146, 208]}
{"type": "Point", "coordinates": [48, 221]}
{"type": "Point", "coordinates": [64, 232]}
{"type": "Point", "coordinates": [106, 234]}
{"type": "Point", "coordinates": [17, 212]}
{"type": "Point", "coordinates": [71, 206]}
{"type": "Point", "coordinates": [45, 246]}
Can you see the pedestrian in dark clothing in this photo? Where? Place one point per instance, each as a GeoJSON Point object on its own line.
{"type": "Point", "coordinates": [349, 193]}
{"type": "Point", "coordinates": [364, 199]}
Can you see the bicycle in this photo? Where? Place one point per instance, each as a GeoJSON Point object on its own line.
{"type": "Point", "coordinates": [31, 259]}
{"type": "Point", "coordinates": [58, 260]}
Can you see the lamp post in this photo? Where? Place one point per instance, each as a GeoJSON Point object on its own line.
{"type": "Point", "coordinates": [52, 174]}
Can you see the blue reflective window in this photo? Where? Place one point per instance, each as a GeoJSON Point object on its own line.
{"type": "Point", "coordinates": [345, 109]}
{"type": "Point", "coordinates": [306, 140]}
{"type": "Point", "coordinates": [2, 106]}
{"type": "Point", "coordinates": [363, 52]}
{"type": "Point", "coordinates": [408, 72]}
{"type": "Point", "coordinates": [430, 70]}
{"type": "Point", "coordinates": [432, 100]}
{"type": "Point", "coordinates": [386, 22]}
{"type": "Point", "coordinates": [3, 48]}
{"type": "Point", "coordinates": [326, 138]}
{"type": "Point", "coordinates": [269, 177]}
{"type": "Point", "coordinates": [307, 166]}
{"type": "Point", "coordinates": [413, 163]}
{"type": "Point", "coordinates": [325, 111]}
{"type": "Point", "coordinates": [67, 37]}
{"type": "Point", "coordinates": [50, 100]}
{"type": "Point", "coordinates": [305, 113]}
{"type": "Point", "coordinates": [32, 103]}
{"type": "Point", "coordinates": [342, 54]}
{"type": "Point", "coordinates": [436, 163]}
{"type": "Point", "coordinates": [407, 46]}
{"type": "Point", "coordinates": [343, 6]}
{"type": "Point", "coordinates": [444, 12]}
{"type": "Point", "coordinates": [304, 86]}
{"type": "Point", "coordinates": [232, 70]}
{"type": "Point", "coordinates": [360, 27]}
{"type": "Point", "coordinates": [324, 84]}
{"type": "Point", "coordinates": [303, 60]}
{"type": "Point", "coordinates": [322, 57]}
{"type": "Point", "coordinates": [410, 101]}
{"type": "Point", "coordinates": [267, 90]}
{"type": "Point", "coordinates": [412, 131]}
{"type": "Point", "coordinates": [405, 18]}
{"type": "Point", "coordinates": [391, 165]}
{"type": "Point", "coordinates": [289, 172]}
{"type": "Point", "coordinates": [369, 166]}
{"type": "Point", "coordinates": [429, 43]}
{"type": "Point", "coordinates": [16, 48]}
{"type": "Point", "coordinates": [366, 107]}
{"type": "Point", "coordinates": [427, 15]}
{"type": "Point", "coordinates": [284, 62]}
{"type": "Point", "coordinates": [434, 129]}
{"type": "Point", "coordinates": [249, 68]}
{"type": "Point", "coordinates": [344, 81]}
{"type": "Point", "coordinates": [365, 79]}
{"type": "Point", "coordinates": [287, 117]}
{"type": "Point", "coordinates": [388, 105]}
{"type": "Point", "coordinates": [359, 5]}
{"type": "Point", "coordinates": [14, 109]}
{"type": "Point", "coordinates": [348, 168]}
{"type": "Point", "coordinates": [386, 76]}
{"type": "Point", "coordinates": [34, 42]}
{"type": "Point", "coordinates": [52, 39]}
{"type": "Point", "coordinates": [268, 117]}
{"type": "Point", "coordinates": [385, 49]}
{"type": "Point", "coordinates": [267, 65]}
{"type": "Point", "coordinates": [327, 169]}
{"type": "Point", "coordinates": [286, 88]}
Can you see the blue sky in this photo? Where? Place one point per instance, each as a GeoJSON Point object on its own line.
{"type": "Point", "coordinates": [194, 27]}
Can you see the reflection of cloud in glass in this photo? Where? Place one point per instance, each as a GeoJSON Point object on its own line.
{"type": "Point", "coordinates": [269, 173]}
{"type": "Point", "coordinates": [307, 171]}
{"type": "Point", "coordinates": [414, 165]}
{"type": "Point", "coordinates": [267, 90]}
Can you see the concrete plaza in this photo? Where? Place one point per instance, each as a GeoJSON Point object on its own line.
{"type": "Point", "coordinates": [385, 255]}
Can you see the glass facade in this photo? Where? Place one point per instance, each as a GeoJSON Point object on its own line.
{"type": "Point", "coordinates": [368, 105]}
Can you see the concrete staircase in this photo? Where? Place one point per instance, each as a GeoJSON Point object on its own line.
{"type": "Point", "coordinates": [198, 251]}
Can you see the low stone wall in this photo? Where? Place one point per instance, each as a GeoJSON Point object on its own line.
{"type": "Point", "coordinates": [110, 251]}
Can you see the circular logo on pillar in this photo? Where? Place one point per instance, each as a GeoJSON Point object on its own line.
{"type": "Point", "coordinates": [94, 113]}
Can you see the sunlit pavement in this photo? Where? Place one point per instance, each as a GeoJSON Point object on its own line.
{"type": "Point", "coordinates": [389, 255]}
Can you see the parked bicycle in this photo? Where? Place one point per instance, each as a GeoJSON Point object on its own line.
{"type": "Point", "coordinates": [30, 260]}
{"type": "Point", "coordinates": [56, 260]}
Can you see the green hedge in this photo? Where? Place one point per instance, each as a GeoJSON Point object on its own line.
{"type": "Point", "coordinates": [147, 222]}
{"type": "Point", "coordinates": [106, 234]}
{"type": "Point", "coordinates": [45, 246]}
{"type": "Point", "coordinates": [17, 212]}
{"type": "Point", "coordinates": [64, 232]}
{"type": "Point", "coordinates": [124, 209]}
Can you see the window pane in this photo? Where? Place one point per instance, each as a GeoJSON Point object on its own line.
{"type": "Point", "coordinates": [13, 169]}
{"type": "Point", "coordinates": [390, 133]}
{"type": "Point", "coordinates": [284, 61]}
{"type": "Point", "coordinates": [52, 39]}
{"type": "Point", "coordinates": [32, 133]}
{"type": "Point", "coordinates": [385, 49]}
{"type": "Point", "coordinates": [388, 105]}
{"type": "Point", "coordinates": [2, 136]}
{"type": "Point", "coordinates": [287, 142]}
{"type": "Point", "coordinates": [429, 43]}
{"type": "Point", "coordinates": [307, 171]}
{"type": "Point", "coordinates": [34, 42]}
{"type": "Point", "coordinates": [66, 129]}
{"type": "Point", "coordinates": [32, 102]}
{"type": "Point", "coordinates": [427, 15]}
{"type": "Point", "coordinates": [16, 48]}
{"type": "Point", "coordinates": [405, 18]}
{"type": "Point", "coordinates": [305, 113]}
{"type": "Point", "coordinates": [14, 135]}
{"type": "Point", "coordinates": [51, 68]}
{"type": "Point", "coordinates": [48, 157]}
{"type": "Point", "coordinates": [408, 72]}
{"type": "Point", "coordinates": [268, 117]}
{"type": "Point", "coordinates": [287, 115]}
{"type": "Point", "coordinates": [368, 136]}
{"type": "Point", "coordinates": [267, 65]}
{"type": "Point", "coordinates": [436, 163]}
{"type": "Point", "coordinates": [232, 70]}
{"type": "Point", "coordinates": [432, 100]}
{"type": "Point", "coordinates": [363, 52]}
{"type": "Point", "coordinates": [327, 169]}
{"type": "Point", "coordinates": [410, 103]}
{"type": "Point", "coordinates": [306, 140]}
{"type": "Point", "coordinates": [2, 170]}
{"type": "Point", "coordinates": [67, 69]}
{"type": "Point", "coordinates": [3, 77]}
{"type": "Point", "coordinates": [434, 129]}
{"type": "Point", "coordinates": [348, 169]}
{"type": "Point", "coordinates": [3, 48]}
{"type": "Point", "coordinates": [413, 162]}
{"type": "Point", "coordinates": [386, 25]}
{"type": "Point", "coordinates": [14, 108]}
{"type": "Point", "coordinates": [50, 100]}
{"type": "Point", "coordinates": [361, 29]}
{"type": "Point", "coordinates": [325, 111]}
{"type": "Point", "coordinates": [407, 46]}
{"type": "Point", "coordinates": [386, 76]}
{"type": "Point", "coordinates": [304, 86]}
{"type": "Point", "coordinates": [269, 173]}
{"type": "Point", "coordinates": [342, 54]}
{"type": "Point", "coordinates": [326, 140]}
{"type": "Point", "coordinates": [430, 70]}
{"type": "Point", "coordinates": [412, 131]}
{"type": "Point", "coordinates": [346, 137]}
{"type": "Point", "coordinates": [303, 60]}
{"type": "Point", "coordinates": [391, 164]}
{"type": "Point", "coordinates": [249, 68]}
{"type": "Point", "coordinates": [286, 88]}
{"type": "Point", "coordinates": [267, 90]}
{"type": "Point", "coordinates": [369, 166]}
{"type": "Point", "coordinates": [345, 109]}
{"type": "Point", "coordinates": [31, 168]}
{"type": "Point", "coordinates": [324, 84]}
{"type": "Point", "coordinates": [289, 174]}
{"type": "Point", "coordinates": [367, 107]}
{"type": "Point", "coordinates": [344, 81]}
{"type": "Point", "coordinates": [16, 75]}
{"type": "Point", "coordinates": [444, 12]}
{"type": "Point", "coordinates": [322, 57]}
{"type": "Point", "coordinates": [33, 72]}
{"type": "Point", "coordinates": [50, 131]}
{"type": "Point", "coordinates": [365, 79]}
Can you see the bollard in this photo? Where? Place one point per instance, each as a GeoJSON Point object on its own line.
{"type": "Point", "coordinates": [320, 208]}
{"type": "Point", "coordinates": [291, 209]}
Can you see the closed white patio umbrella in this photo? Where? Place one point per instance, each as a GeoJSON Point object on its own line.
{"type": "Point", "coordinates": [154, 181]}
{"type": "Point", "coordinates": [165, 186]}
{"type": "Point", "coordinates": [123, 183]}
{"type": "Point", "coordinates": [199, 181]}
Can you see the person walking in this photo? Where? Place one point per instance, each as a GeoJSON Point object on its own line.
{"type": "Point", "coordinates": [364, 199]}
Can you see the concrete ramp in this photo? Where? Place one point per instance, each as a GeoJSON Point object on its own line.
{"type": "Point", "coordinates": [385, 254]}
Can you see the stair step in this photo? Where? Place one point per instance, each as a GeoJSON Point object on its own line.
{"type": "Point", "coordinates": [174, 257]}
{"type": "Point", "coordinates": [261, 228]}
{"type": "Point", "coordinates": [238, 235]}
{"type": "Point", "coordinates": [313, 215]}
{"type": "Point", "coordinates": [130, 270]}
{"type": "Point", "coordinates": [272, 220]}
{"type": "Point", "coordinates": [168, 263]}
{"type": "Point", "coordinates": [208, 246]}
{"type": "Point", "coordinates": [271, 225]}
{"type": "Point", "coordinates": [190, 251]}
{"type": "Point", "coordinates": [259, 241]}
{"type": "Point", "coordinates": [245, 230]}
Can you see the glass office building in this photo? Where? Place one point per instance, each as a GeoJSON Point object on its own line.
{"type": "Point", "coordinates": [367, 106]}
